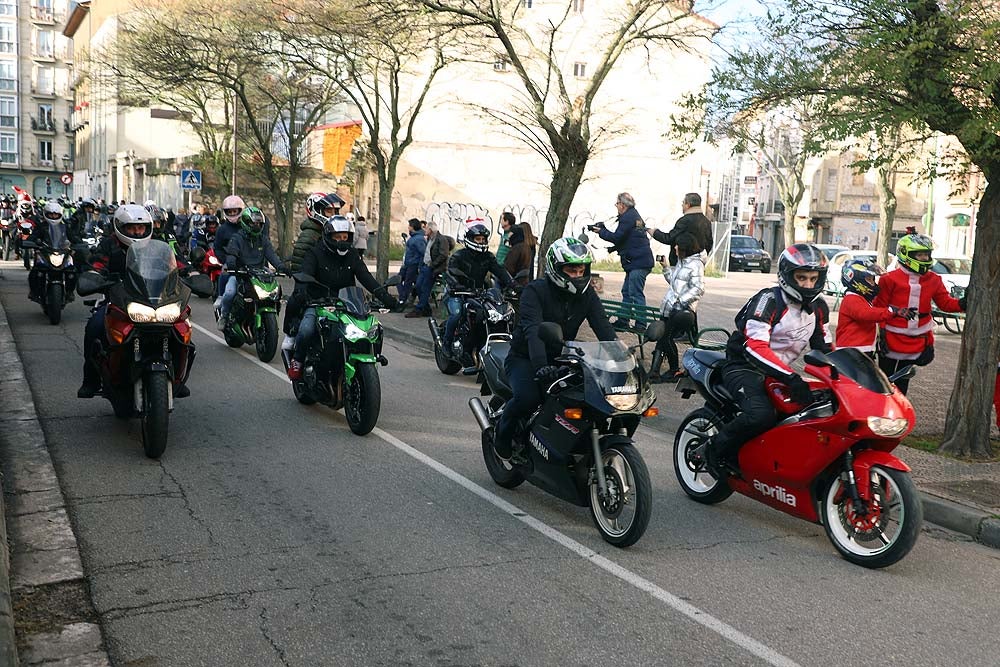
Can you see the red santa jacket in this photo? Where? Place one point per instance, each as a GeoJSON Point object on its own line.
{"type": "Point", "coordinates": [858, 322]}
{"type": "Point", "coordinates": [903, 288]}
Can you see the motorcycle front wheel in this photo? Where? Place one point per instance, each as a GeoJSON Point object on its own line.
{"type": "Point", "coordinates": [155, 413]}
{"type": "Point", "coordinates": [889, 528]}
{"type": "Point", "coordinates": [267, 337]}
{"type": "Point", "coordinates": [363, 400]}
{"type": "Point", "coordinates": [54, 303]}
{"type": "Point", "coordinates": [622, 514]}
{"type": "Point", "coordinates": [698, 483]}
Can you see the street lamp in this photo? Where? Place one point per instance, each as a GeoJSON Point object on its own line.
{"type": "Point", "coordinates": [67, 162]}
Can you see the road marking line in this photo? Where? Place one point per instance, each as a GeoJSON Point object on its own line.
{"type": "Point", "coordinates": [705, 619]}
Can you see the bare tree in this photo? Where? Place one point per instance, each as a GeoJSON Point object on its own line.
{"type": "Point", "coordinates": [561, 109]}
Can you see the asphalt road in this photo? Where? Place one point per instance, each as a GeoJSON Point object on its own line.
{"type": "Point", "coordinates": [269, 534]}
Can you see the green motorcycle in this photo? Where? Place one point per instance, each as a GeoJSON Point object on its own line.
{"type": "Point", "coordinates": [254, 315]}
{"type": "Point", "coordinates": [340, 368]}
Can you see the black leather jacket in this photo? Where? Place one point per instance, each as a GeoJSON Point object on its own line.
{"type": "Point", "coordinates": [468, 269]}
{"type": "Point", "coordinates": [335, 271]}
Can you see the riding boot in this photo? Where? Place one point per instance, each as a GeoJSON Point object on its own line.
{"type": "Point", "coordinates": [654, 366]}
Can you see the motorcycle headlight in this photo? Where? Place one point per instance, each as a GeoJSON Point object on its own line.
{"type": "Point", "coordinates": [212, 259]}
{"type": "Point", "coordinates": [887, 427]}
{"type": "Point", "coordinates": [56, 258]}
{"type": "Point", "coordinates": [622, 401]}
{"type": "Point", "coordinates": [496, 315]}
{"type": "Point", "coordinates": [353, 332]}
{"type": "Point", "coordinates": [263, 292]}
{"type": "Point", "coordinates": [143, 314]}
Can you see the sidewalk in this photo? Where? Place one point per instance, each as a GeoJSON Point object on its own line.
{"type": "Point", "coordinates": [960, 496]}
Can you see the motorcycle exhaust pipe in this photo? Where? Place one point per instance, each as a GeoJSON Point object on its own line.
{"type": "Point", "coordinates": [432, 325]}
{"type": "Point", "coordinates": [479, 412]}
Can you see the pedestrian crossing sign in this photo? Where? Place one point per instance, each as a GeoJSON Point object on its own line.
{"type": "Point", "coordinates": [190, 179]}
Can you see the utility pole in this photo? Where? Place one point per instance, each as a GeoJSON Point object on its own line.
{"type": "Point", "coordinates": [235, 126]}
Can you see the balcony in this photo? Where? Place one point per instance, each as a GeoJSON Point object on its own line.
{"type": "Point", "coordinates": [8, 159]}
{"type": "Point", "coordinates": [42, 14]}
{"type": "Point", "coordinates": [42, 54]}
{"type": "Point", "coordinates": [43, 126]}
{"type": "Point", "coordinates": [42, 90]}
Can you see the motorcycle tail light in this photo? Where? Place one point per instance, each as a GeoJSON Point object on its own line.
{"type": "Point", "coordinates": [573, 413]}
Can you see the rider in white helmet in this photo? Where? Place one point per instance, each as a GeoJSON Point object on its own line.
{"type": "Point", "coordinates": [232, 209]}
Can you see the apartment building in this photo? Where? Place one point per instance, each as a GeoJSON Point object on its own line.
{"type": "Point", "coordinates": [36, 140]}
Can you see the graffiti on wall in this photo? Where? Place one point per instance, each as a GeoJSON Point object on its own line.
{"type": "Point", "coordinates": [451, 217]}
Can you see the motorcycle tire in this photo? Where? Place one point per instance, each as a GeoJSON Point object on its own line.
{"type": "Point", "coordinates": [27, 260]}
{"type": "Point", "coordinates": [501, 471]}
{"type": "Point", "coordinates": [155, 413]}
{"type": "Point", "coordinates": [445, 364]}
{"type": "Point", "coordinates": [54, 303]}
{"type": "Point", "coordinates": [302, 394]}
{"type": "Point", "coordinates": [267, 337]}
{"type": "Point", "coordinates": [363, 400]}
{"type": "Point", "coordinates": [232, 339]}
{"type": "Point", "coordinates": [700, 485]}
{"type": "Point", "coordinates": [122, 405]}
{"type": "Point", "coordinates": [624, 468]}
{"type": "Point", "coordinates": [905, 512]}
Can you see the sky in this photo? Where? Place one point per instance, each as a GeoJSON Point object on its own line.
{"type": "Point", "coordinates": [735, 16]}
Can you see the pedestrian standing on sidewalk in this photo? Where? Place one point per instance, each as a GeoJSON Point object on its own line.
{"type": "Point", "coordinates": [434, 264]}
{"type": "Point", "coordinates": [694, 222]}
{"type": "Point", "coordinates": [507, 222]}
{"type": "Point", "coordinates": [522, 253]}
{"type": "Point", "coordinates": [859, 319]}
{"type": "Point", "coordinates": [361, 236]}
{"type": "Point", "coordinates": [632, 245]}
{"type": "Point", "coordinates": [416, 246]}
{"type": "Point", "coordinates": [912, 285]}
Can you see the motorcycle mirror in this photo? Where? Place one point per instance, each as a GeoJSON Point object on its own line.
{"type": "Point", "coordinates": [303, 278]}
{"type": "Point", "coordinates": [550, 333]}
{"type": "Point", "coordinates": [200, 284]}
{"type": "Point", "coordinates": [393, 280]}
{"type": "Point", "coordinates": [817, 358]}
{"type": "Point", "coordinates": [904, 373]}
{"type": "Point", "coordinates": [655, 331]}
{"type": "Point", "coordinates": [91, 282]}
{"type": "Point", "coordinates": [582, 236]}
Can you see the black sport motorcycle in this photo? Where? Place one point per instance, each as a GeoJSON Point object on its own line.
{"type": "Point", "coordinates": [487, 313]}
{"type": "Point", "coordinates": [147, 351]}
{"type": "Point", "coordinates": [55, 273]}
{"type": "Point", "coordinates": [588, 415]}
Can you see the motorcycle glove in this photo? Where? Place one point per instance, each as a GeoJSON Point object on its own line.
{"type": "Point", "coordinates": [799, 390]}
{"type": "Point", "coordinates": [905, 313]}
{"type": "Point", "coordinates": [382, 294]}
{"type": "Point", "coordinates": [546, 375]}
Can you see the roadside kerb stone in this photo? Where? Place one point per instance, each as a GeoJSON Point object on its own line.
{"type": "Point", "coordinates": [980, 526]}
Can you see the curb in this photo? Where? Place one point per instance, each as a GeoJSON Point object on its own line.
{"type": "Point", "coordinates": [980, 526]}
{"type": "Point", "coordinates": [44, 552]}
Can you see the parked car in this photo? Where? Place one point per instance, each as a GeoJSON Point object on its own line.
{"type": "Point", "coordinates": [834, 287]}
{"type": "Point", "coordinates": [830, 250]}
{"type": "Point", "coordinates": [747, 254]}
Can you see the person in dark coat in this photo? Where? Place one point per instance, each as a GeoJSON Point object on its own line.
{"type": "Point", "coordinates": [632, 245]}
{"type": "Point", "coordinates": [692, 222]}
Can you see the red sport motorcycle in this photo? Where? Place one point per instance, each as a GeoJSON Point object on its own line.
{"type": "Point", "coordinates": [206, 263]}
{"type": "Point", "coordinates": [147, 351]}
{"type": "Point", "coordinates": [829, 462]}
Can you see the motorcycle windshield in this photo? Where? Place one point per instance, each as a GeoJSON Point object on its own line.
{"type": "Point", "coordinates": [57, 235]}
{"type": "Point", "coordinates": [860, 368]}
{"type": "Point", "coordinates": [494, 296]}
{"type": "Point", "coordinates": [610, 356]}
{"type": "Point", "coordinates": [354, 302]}
{"type": "Point", "coordinates": [151, 272]}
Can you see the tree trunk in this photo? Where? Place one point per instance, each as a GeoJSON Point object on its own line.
{"type": "Point", "coordinates": [887, 213]}
{"type": "Point", "coordinates": [565, 182]}
{"type": "Point", "coordinates": [967, 427]}
{"type": "Point", "coordinates": [385, 185]}
{"type": "Point", "coordinates": [791, 203]}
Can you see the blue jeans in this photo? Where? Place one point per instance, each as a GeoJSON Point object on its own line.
{"type": "Point", "coordinates": [94, 331]}
{"type": "Point", "coordinates": [307, 331]}
{"type": "Point", "coordinates": [526, 397]}
{"type": "Point", "coordinates": [228, 295]}
{"type": "Point", "coordinates": [454, 305]}
{"type": "Point", "coordinates": [633, 289]}
{"type": "Point", "coordinates": [409, 278]}
{"type": "Point", "coordinates": [425, 282]}
{"type": "Point", "coordinates": [223, 282]}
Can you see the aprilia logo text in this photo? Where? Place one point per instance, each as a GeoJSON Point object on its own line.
{"type": "Point", "coordinates": [779, 493]}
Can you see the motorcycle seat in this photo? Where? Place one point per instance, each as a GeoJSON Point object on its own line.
{"type": "Point", "coordinates": [709, 358]}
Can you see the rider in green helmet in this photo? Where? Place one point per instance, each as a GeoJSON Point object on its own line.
{"type": "Point", "coordinates": [248, 248]}
{"type": "Point", "coordinates": [562, 296]}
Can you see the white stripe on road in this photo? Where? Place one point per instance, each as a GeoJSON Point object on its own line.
{"type": "Point", "coordinates": [745, 642]}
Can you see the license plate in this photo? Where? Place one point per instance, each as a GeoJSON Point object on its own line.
{"type": "Point", "coordinates": [686, 386]}
{"type": "Point", "coordinates": [753, 263]}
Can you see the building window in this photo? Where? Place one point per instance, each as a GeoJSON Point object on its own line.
{"type": "Point", "coordinates": [8, 7]}
{"type": "Point", "coordinates": [44, 84]}
{"type": "Point", "coordinates": [831, 184]}
{"type": "Point", "coordinates": [44, 44]}
{"type": "Point", "coordinates": [45, 153]}
{"type": "Point", "coordinates": [8, 38]}
{"type": "Point", "coordinates": [579, 70]}
{"type": "Point", "coordinates": [8, 75]}
{"type": "Point", "coordinates": [8, 112]}
{"type": "Point", "coordinates": [578, 6]}
{"type": "Point", "coordinates": [527, 4]}
{"type": "Point", "coordinates": [45, 121]}
{"type": "Point", "coordinates": [41, 10]}
{"type": "Point", "coordinates": [8, 148]}
{"type": "Point", "coordinates": [501, 64]}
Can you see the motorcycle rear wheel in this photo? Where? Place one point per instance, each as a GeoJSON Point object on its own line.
{"type": "Point", "coordinates": [698, 484]}
{"type": "Point", "coordinates": [155, 414]}
{"type": "Point", "coordinates": [54, 303]}
{"type": "Point", "coordinates": [232, 340]}
{"type": "Point", "coordinates": [501, 471]}
{"type": "Point", "coordinates": [267, 337]}
{"type": "Point", "coordinates": [862, 540]}
{"type": "Point", "coordinates": [302, 394]}
{"type": "Point", "coordinates": [363, 400]}
{"type": "Point", "coordinates": [623, 514]}
{"type": "Point", "coordinates": [445, 364]}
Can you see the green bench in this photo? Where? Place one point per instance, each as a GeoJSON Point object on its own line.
{"type": "Point", "coordinates": [642, 316]}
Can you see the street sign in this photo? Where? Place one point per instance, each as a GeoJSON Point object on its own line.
{"type": "Point", "coordinates": [190, 179]}
{"type": "Point", "coordinates": [66, 178]}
